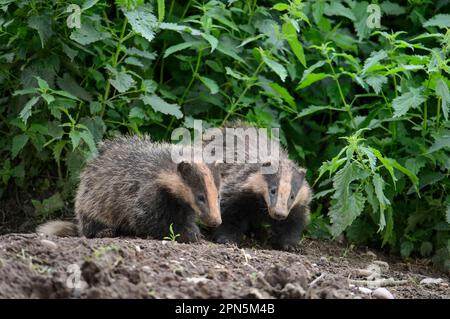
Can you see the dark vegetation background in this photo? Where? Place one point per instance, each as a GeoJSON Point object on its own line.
{"type": "Point", "coordinates": [364, 109]}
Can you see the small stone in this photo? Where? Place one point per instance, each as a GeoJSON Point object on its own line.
{"type": "Point", "coordinates": [431, 281]}
{"type": "Point", "coordinates": [323, 259]}
{"type": "Point", "coordinates": [146, 269]}
{"type": "Point", "coordinates": [382, 293]}
{"type": "Point", "coordinates": [49, 244]}
{"type": "Point", "coordinates": [371, 254]}
{"type": "Point", "coordinates": [365, 290]}
{"type": "Point", "coordinates": [196, 280]}
{"type": "Point", "coordinates": [138, 248]}
{"type": "Point", "coordinates": [254, 294]}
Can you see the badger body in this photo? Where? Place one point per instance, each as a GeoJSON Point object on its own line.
{"type": "Point", "coordinates": [250, 197]}
{"type": "Point", "coordinates": [134, 188]}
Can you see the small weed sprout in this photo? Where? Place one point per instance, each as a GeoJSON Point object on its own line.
{"type": "Point", "coordinates": [172, 236]}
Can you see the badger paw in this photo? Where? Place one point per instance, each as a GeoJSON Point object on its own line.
{"type": "Point", "coordinates": [190, 236]}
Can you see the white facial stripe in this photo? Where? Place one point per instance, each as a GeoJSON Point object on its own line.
{"type": "Point", "coordinates": [284, 188]}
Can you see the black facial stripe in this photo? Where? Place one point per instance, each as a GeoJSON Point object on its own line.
{"type": "Point", "coordinates": [273, 181]}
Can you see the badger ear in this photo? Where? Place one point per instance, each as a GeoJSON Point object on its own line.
{"type": "Point", "coordinates": [299, 174]}
{"type": "Point", "coordinates": [184, 168]}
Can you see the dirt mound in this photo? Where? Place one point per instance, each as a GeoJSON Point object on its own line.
{"type": "Point", "coordinates": [32, 266]}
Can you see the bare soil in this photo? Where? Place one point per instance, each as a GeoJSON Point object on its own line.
{"type": "Point", "coordinates": [32, 266]}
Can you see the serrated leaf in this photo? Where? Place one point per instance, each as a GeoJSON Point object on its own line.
{"type": "Point", "coordinates": [88, 4]}
{"type": "Point", "coordinates": [134, 61]}
{"type": "Point", "coordinates": [370, 156]}
{"type": "Point", "coordinates": [373, 60]}
{"type": "Point", "coordinates": [43, 25]}
{"type": "Point", "coordinates": [311, 78]}
{"type": "Point", "coordinates": [142, 21]}
{"type": "Point", "coordinates": [391, 8]}
{"type": "Point", "coordinates": [159, 105]}
{"type": "Point", "coordinates": [88, 34]}
{"type": "Point", "coordinates": [213, 42]}
{"type": "Point", "coordinates": [376, 81]}
{"type": "Point", "coordinates": [27, 109]}
{"type": "Point", "coordinates": [69, 84]}
{"type": "Point", "coordinates": [344, 211]}
{"type": "Point", "coordinates": [443, 92]}
{"type": "Point", "coordinates": [439, 20]}
{"type": "Point", "coordinates": [75, 138]}
{"type": "Point", "coordinates": [441, 141]}
{"type": "Point", "coordinates": [290, 34]}
{"type": "Point", "coordinates": [335, 8]}
{"type": "Point", "coordinates": [18, 143]}
{"type": "Point", "coordinates": [122, 82]}
{"type": "Point", "coordinates": [87, 137]}
{"type": "Point", "coordinates": [383, 202]}
{"type": "Point", "coordinates": [210, 84]}
{"type": "Point", "coordinates": [403, 103]}
{"type": "Point", "coordinates": [276, 67]}
{"type": "Point", "coordinates": [230, 52]}
{"type": "Point", "coordinates": [137, 112]}
{"type": "Point", "coordinates": [140, 53]}
{"type": "Point", "coordinates": [284, 94]}
{"type": "Point", "coordinates": [178, 28]}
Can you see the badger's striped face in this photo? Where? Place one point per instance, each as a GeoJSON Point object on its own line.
{"type": "Point", "coordinates": [197, 185]}
{"type": "Point", "coordinates": [281, 190]}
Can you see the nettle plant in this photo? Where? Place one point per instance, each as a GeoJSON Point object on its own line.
{"type": "Point", "coordinates": [364, 109]}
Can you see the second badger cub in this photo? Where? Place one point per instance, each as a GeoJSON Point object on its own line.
{"type": "Point", "coordinates": [251, 197]}
{"type": "Point", "coordinates": [134, 188]}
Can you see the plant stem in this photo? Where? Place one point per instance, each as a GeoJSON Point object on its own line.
{"type": "Point", "coordinates": [114, 64]}
{"type": "Point", "coordinates": [347, 107]}
{"type": "Point", "coordinates": [247, 87]}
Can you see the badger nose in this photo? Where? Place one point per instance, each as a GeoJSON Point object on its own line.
{"type": "Point", "coordinates": [278, 213]}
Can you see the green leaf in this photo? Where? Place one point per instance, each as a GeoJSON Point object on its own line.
{"type": "Point", "coordinates": [441, 141]}
{"type": "Point", "coordinates": [210, 84]}
{"type": "Point", "coordinates": [311, 78]}
{"type": "Point", "coordinates": [18, 143]}
{"type": "Point", "coordinates": [213, 42]}
{"type": "Point", "coordinates": [161, 10]}
{"type": "Point", "coordinates": [443, 92]}
{"type": "Point", "coordinates": [122, 82]}
{"type": "Point", "coordinates": [87, 137]}
{"type": "Point", "coordinates": [406, 248]}
{"type": "Point", "coordinates": [88, 4]}
{"type": "Point", "coordinates": [178, 47]}
{"type": "Point", "coordinates": [403, 103]}
{"type": "Point", "coordinates": [88, 34]}
{"type": "Point", "coordinates": [383, 202]}
{"type": "Point", "coordinates": [344, 211]}
{"type": "Point", "coordinates": [338, 9]}
{"type": "Point", "coordinates": [159, 105]}
{"type": "Point", "coordinates": [314, 109]}
{"type": "Point", "coordinates": [284, 94]}
{"type": "Point", "coordinates": [391, 8]}
{"type": "Point", "coordinates": [43, 25]}
{"type": "Point", "coordinates": [137, 112]}
{"type": "Point", "coordinates": [230, 52]}
{"type": "Point", "coordinates": [290, 34]}
{"type": "Point", "coordinates": [142, 21]}
{"type": "Point", "coordinates": [373, 60]}
{"type": "Point", "coordinates": [281, 6]}
{"type": "Point", "coordinates": [27, 109]}
{"type": "Point", "coordinates": [276, 67]}
{"type": "Point", "coordinates": [439, 20]}
{"type": "Point", "coordinates": [376, 81]}
{"type": "Point", "coordinates": [75, 137]}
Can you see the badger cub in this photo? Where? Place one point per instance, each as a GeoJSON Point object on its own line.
{"type": "Point", "coordinates": [251, 197]}
{"type": "Point", "coordinates": [134, 188]}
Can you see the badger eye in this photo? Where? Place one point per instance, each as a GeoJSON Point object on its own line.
{"type": "Point", "coordinates": [273, 190]}
{"type": "Point", "coordinates": [292, 196]}
{"type": "Point", "coordinates": [201, 198]}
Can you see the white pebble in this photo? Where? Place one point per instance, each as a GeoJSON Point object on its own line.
{"type": "Point", "coordinates": [138, 248]}
{"type": "Point", "coordinates": [196, 280]}
{"type": "Point", "coordinates": [146, 269]}
{"type": "Point", "coordinates": [49, 244]}
{"type": "Point", "coordinates": [382, 293]}
{"type": "Point", "coordinates": [431, 281]}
